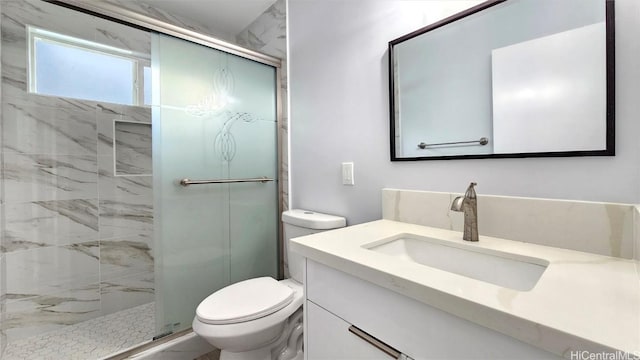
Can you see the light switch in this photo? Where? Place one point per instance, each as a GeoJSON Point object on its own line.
{"type": "Point", "coordinates": [347, 173]}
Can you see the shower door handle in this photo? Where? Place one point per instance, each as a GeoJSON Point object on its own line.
{"type": "Point", "coordinates": [186, 182]}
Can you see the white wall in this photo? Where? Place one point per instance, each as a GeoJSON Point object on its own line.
{"type": "Point", "coordinates": [340, 112]}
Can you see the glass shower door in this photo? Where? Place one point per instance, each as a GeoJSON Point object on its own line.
{"type": "Point", "coordinates": [214, 117]}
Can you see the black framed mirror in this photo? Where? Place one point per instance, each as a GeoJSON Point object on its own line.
{"type": "Point", "coordinates": [505, 79]}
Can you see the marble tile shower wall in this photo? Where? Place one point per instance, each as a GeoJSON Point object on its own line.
{"type": "Point", "coordinates": [76, 239]}
{"type": "Point", "coordinates": [149, 9]}
{"type": "Point", "coordinates": [3, 272]}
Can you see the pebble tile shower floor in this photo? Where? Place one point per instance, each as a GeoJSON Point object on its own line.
{"type": "Point", "coordinates": [92, 339]}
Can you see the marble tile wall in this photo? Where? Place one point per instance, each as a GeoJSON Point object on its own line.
{"type": "Point", "coordinates": [3, 272]}
{"type": "Point", "coordinates": [125, 211]}
{"type": "Point", "coordinates": [76, 240]}
{"type": "Point", "coordinates": [147, 8]}
{"type": "Point", "coordinates": [132, 148]}
{"type": "Point", "coordinates": [599, 228]}
{"type": "Point", "coordinates": [3, 335]}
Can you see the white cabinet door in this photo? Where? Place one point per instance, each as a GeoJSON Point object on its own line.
{"type": "Point", "coordinates": [418, 330]}
{"type": "Point", "coordinates": [329, 338]}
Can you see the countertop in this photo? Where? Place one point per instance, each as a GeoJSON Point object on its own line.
{"type": "Point", "coordinates": [582, 302]}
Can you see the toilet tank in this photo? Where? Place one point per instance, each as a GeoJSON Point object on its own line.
{"type": "Point", "coordinates": [298, 223]}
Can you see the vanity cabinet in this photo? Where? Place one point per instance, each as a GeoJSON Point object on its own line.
{"type": "Point", "coordinates": [335, 301]}
{"type": "Point", "coordinates": [329, 338]}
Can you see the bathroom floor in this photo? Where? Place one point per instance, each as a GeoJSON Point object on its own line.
{"type": "Point", "coordinates": [92, 339]}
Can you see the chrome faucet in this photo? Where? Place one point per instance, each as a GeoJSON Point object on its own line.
{"type": "Point", "coordinates": [469, 205]}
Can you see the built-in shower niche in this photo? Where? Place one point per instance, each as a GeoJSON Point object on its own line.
{"type": "Point", "coordinates": [132, 148]}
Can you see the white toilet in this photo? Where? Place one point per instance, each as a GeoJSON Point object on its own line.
{"type": "Point", "coordinates": [261, 318]}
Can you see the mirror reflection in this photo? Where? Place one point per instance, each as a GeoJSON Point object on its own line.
{"type": "Point", "coordinates": [512, 78]}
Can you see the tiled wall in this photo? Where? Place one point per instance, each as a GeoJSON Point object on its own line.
{"type": "Point", "coordinates": [599, 228]}
{"type": "Point", "coordinates": [3, 272]}
{"type": "Point", "coordinates": [148, 9]}
{"type": "Point", "coordinates": [76, 240]}
{"type": "Point", "coordinates": [132, 148]}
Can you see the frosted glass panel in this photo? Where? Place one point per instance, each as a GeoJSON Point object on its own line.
{"type": "Point", "coordinates": [74, 72]}
{"type": "Point", "coordinates": [214, 117]}
{"type": "Point", "coordinates": [253, 206]}
{"type": "Point", "coordinates": [253, 229]}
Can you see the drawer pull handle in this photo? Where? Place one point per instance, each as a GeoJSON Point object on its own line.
{"type": "Point", "coordinates": [375, 342]}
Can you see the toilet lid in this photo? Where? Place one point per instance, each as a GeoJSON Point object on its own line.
{"type": "Point", "coordinates": [244, 301]}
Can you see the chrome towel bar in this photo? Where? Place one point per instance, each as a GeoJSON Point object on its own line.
{"type": "Point", "coordinates": [482, 141]}
{"type": "Point", "coordinates": [187, 182]}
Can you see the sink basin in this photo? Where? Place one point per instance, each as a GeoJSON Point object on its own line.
{"type": "Point", "coordinates": [503, 269]}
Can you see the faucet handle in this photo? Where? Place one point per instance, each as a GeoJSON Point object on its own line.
{"type": "Point", "coordinates": [471, 192]}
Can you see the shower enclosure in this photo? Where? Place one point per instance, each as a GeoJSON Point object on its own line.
{"type": "Point", "coordinates": [216, 120]}
{"type": "Point", "coordinates": [103, 245]}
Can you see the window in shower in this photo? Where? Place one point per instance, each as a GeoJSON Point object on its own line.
{"type": "Point", "coordinates": [65, 66]}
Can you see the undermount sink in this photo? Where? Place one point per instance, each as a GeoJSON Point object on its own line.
{"type": "Point", "coordinates": [503, 269]}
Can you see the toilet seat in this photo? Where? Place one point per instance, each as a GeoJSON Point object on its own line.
{"type": "Point", "coordinates": [244, 301]}
{"type": "Point", "coordinates": [258, 332]}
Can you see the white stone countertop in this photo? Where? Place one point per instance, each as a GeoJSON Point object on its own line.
{"type": "Point", "coordinates": [582, 302]}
